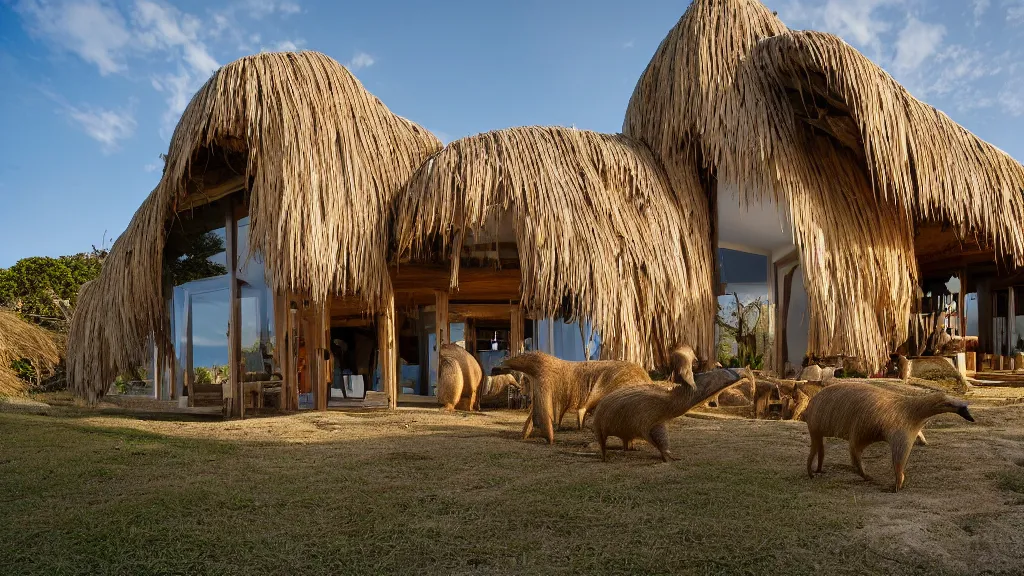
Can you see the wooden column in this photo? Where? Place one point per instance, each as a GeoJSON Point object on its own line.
{"type": "Point", "coordinates": [387, 350]}
{"type": "Point", "coordinates": [190, 373]}
{"type": "Point", "coordinates": [470, 335]}
{"type": "Point", "coordinates": [293, 356]}
{"type": "Point", "coordinates": [441, 328]}
{"type": "Point", "coordinates": [782, 326]}
{"type": "Point", "coordinates": [961, 306]}
{"type": "Point", "coordinates": [234, 403]}
{"type": "Point", "coordinates": [320, 328]}
{"type": "Point", "coordinates": [281, 347]}
{"type": "Point", "coordinates": [1011, 327]}
{"type": "Point", "coordinates": [516, 337]}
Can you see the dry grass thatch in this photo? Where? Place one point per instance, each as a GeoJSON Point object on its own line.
{"type": "Point", "coordinates": [806, 119]}
{"type": "Point", "coordinates": [323, 158]}
{"type": "Point", "coordinates": [596, 223]}
{"type": "Point", "coordinates": [18, 340]}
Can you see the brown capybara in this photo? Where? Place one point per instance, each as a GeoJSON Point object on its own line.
{"type": "Point", "coordinates": [494, 392]}
{"type": "Point", "coordinates": [560, 385]}
{"type": "Point", "coordinates": [458, 376]}
{"type": "Point", "coordinates": [864, 414]}
{"type": "Point", "coordinates": [682, 359]}
{"type": "Point", "coordinates": [641, 411]}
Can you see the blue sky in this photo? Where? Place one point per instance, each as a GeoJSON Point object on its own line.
{"type": "Point", "coordinates": [91, 89]}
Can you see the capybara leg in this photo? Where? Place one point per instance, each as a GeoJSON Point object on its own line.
{"type": "Point", "coordinates": [816, 442]}
{"type": "Point", "coordinates": [449, 408]}
{"type": "Point", "coordinates": [580, 415]}
{"type": "Point", "coordinates": [562, 415]}
{"type": "Point", "coordinates": [921, 441]}
{"type": "Point", "coordinates": [550, 431]}
{"type": "Point", "coordinates": [855, 451]}
{"type": "Point", "coordinates": [602, 441]}
{"type": "Point", "coordinates": [528, 426]}
{"type": "Point", "coordinates": [901, 446]}
{"type": "Point", "coordinates": [473, 401]}
{"type": "Point", "coordinates": [658, 437]}
{"type": "Point", "coordinates": [627, 444]}
{"type": "Point", "coordinates": [713, 403]}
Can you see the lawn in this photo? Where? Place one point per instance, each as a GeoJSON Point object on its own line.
{"type": "Point", "coordinates": [418, 491]}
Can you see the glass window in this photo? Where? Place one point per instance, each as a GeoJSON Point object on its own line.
{"type": "Point", "coordinates": [743, 324]}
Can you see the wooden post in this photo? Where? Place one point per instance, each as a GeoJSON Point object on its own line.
{"type": "Point", "coordinates": [441, 328]}
{"type": "Point", "coordinates": [190, 373]}
{"type": "Point", "coordinates": [387, 350]}
{"type": "Point", "coordinates": [986, 308]}
{"type": "Point", "coordinates": [293, 355]}
{"type": "Point", "coordinates": [320, 328]}
{"type": "Point", "coordinates": [470, 336]}
{"type": "Point", "coordinates": [234, 403]}
{"type": "Point", "coordinates": [782, 326]}
{"type": "Point", "coordinates": [961, 306]}
{"type": "Point", "coordinates": [516, 337]}
{"type": "Point", "coordinates": [1011, 321]}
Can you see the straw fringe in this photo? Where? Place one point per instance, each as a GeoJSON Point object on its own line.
{"type": "Point", "coordinates": [20, 339]}
{"type": "Point", "coordinates": [324, 161]}
{"type": "Point", "coordinates": [807, 120]}
{"type": "Point", "coordinates": [596, 221]}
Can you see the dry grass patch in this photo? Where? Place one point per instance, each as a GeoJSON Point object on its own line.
{"type": "Point", "coordinates": [418, 492]}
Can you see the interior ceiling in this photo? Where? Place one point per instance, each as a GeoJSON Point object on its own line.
{"type": "Point", "coordinates": [763, 226]}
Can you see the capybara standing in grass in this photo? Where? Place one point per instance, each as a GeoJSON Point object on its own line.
{"type": "Point", "coordinates": [864, 414]}
{"type": "Point", "coordinates": [458, 377]}
{"type": "Point", "coordinates": [641, 411]}
{"type": "Point", "coordinates": [560, 385]}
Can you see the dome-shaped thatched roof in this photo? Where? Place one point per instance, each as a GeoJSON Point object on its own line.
{"type": "Point", "coordinates": [597, 223]}
{"type": "Point", "coordinates": [323, 158]}
{"type": "Point", "coordinates": [807, 120]}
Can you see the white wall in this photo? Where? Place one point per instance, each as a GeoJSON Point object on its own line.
{"type": "Point", "coordinates": [796, 321]}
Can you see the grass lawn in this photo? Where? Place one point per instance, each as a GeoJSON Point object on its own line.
{"type": "Point", "coordinates": [417, 491]}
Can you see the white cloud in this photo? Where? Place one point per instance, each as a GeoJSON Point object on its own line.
{"type": "Point", "coordinates": [108, 127]}
{"type": "Point", "coordinates": [980, 8]}
{"type": "Point", "coordinates": [257, 9]}
{"type": "Point", "coordinates": [285, 46]}
{"type": "Point", "coordinates": [627, 44]}
{"type": "Point", "coordinates": [93, 30]}
{"type": "Point", "coordinates": [854, 20]}
{"type": "Point", "coordinates": [916, 43]}
{"type": "Point", "coordinates": [153, 167]}
{"type": "Point", "coordinates": [360, 60]}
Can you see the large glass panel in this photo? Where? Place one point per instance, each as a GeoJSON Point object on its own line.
{"type": "Point", "coordinates": [744, 309]}
{"type": "Point", "coordinates": [257, 311]}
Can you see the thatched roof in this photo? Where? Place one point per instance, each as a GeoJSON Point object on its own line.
{"type": "Point", "coordinates": [597, 224]}
{"type": "Point", "coordinates": [809, 121]}
{"type": "Point", "coordinates": [18, 340]}
{"type": "Point", "coordinates": [323, 158]}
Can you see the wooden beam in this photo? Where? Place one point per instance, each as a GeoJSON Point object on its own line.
{"type": "Point", "coordinates": [471, 336]}
{"type": "Point", "coordinates": [516, 336]}
{"type": "Point", "coordinates": [190, 373]}
{"type": "Point", "coordinates": [234, 404]}
{"type": "Point", "coordinates": [321, 329]}
{"type": "Point", "coordinates": [281, 346]}
{"type": "Point", "coordinates": [782, 330]}
{"type": "Point", "coordinates": [961, 305]}
{"type": "Point", "coordinates": [441, 328]}
{"type": "Point", "coordinates": [387, 350]}
{"type": "Point", "coordinates": [463, 311]}
{"type": "Point", "coordinates": [228, 184]}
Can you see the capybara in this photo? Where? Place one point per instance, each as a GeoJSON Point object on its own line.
{"type": "Point", "coordinates": [864, 414]}
{"type": "Point", "coordinates": [560, 385]}
{"type": "Point", "coordinates": [682, 359]}
{"type": "Point", "coordinates": [458, 376]}
{"type": "Point", "coordinates": [494, 392]}
{"type": "Point", "coordinates": [641, 411]}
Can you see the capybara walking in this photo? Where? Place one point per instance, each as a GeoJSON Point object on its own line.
{"type": "Point", "coordinates": [458, 377]}
{"type": "Point", "coordinates": [560, 385]}
{"type": "Point", "coordinates": [641, 411]}
{"type": "Point", "coordinates": [864, 414]}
